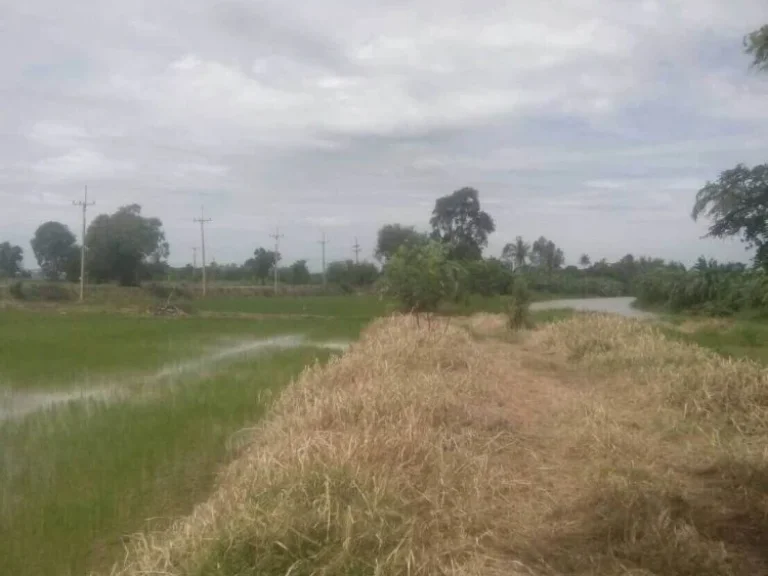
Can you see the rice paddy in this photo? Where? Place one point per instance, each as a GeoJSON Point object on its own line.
{"type": "Point", "coordinates": [267, 439]}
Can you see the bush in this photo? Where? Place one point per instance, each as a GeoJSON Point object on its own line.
{"type": "Point", "coordinates": [420, 277]}
{"type": "Point", "coordinates": [518, 308]}
{"type": "Point", "coordinates": [709, 289]}
{"type": "Point", "coordinates": [17, 290]}
{"type": "Point", "coordinates": [488, 277]}
{"type": "Point", "coordinates": [39, 292]}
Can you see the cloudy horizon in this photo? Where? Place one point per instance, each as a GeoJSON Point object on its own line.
{"type": "Point", "coordinates": [592, 123]}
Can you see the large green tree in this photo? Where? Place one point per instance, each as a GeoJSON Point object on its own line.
{"type": "Point", "coordinates": [737, 205]}
{"type": "Point", "coordinates": [546, 255]}
{"type": "Point", "coordinates": [263, 263]}
{"type": "Point", "coordinates": [756, 45]}
{"type": "Point", "coordinates": [55, 249]}
{"type": "Point", "coordinates": [516, 253]}
{"type": "Point", "coordinates": [300, 273]}
{"type": "Point", "coordinates": [459, 223]}
{"type": "Point", "coordinates": [350, 273]}
{"type": "Point", "coordinates": [392, 236]}
{"type": "Point", "coordinates": [124, 246]}
{"type": "Point", "coordinates": [10, 260]}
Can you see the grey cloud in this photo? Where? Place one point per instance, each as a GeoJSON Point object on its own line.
{"type": "Point", "coordinates": [346, 115]}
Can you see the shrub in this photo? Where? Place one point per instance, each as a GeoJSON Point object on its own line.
{"type": "Point", "coordinates": [40, 292]}
{"type": "Point", "coordinates": [166, 291]}
{"type": "Point", "coordinates": [420, 277]}
{"type": "Point", "coordinates": [518, 308]}
{"type": "Point", "coordinates": [17, 290]}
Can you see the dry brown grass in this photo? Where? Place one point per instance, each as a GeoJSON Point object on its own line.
{"type": "Point", "coordinates": [425, 451]}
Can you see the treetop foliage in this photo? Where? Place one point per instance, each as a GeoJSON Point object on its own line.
{"type": "Point", "coordinates": [737, 205]}
{"type": "Point", "coordinates": [756, 45]}
{"type": "Point", "coordinates": [122, 245]}
{"type": "Point", "coordinates": [54, 246]}
{"type": "Point", "coordinates": [459, 223]}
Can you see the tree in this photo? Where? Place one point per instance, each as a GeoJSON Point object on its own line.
{"type": "Point", "coordinates": [546, 255]}
{"type": "Point", "coordinates": [737, 205]}
{"type": "Point", "coordinates": [347, 273]}
{"type": "Point", "coordinates": [488, 277]}
{"type": "Point", "coordinates": [516, 254]}
{"type": "Point", "coordinates": [584, 261]}
{"type": "Point", "coordinates": [392, 236]}
{"type": "Point", "coordinates": [458, 222]}
{"type": "Point", "coordinates": [262, 263]}
{"type": "Point", "coordinates": [756, 45]}
{"type": "Point", "coordinates": [124, 246]}
{"type": "Point", "coordinates": [300, 273]}
{"type": "Point", "coordinates": [421, 276]}
{"type": "Point", "coordinates": [54, 248]}
{"type": "Point", "coordinates": [10, 260]}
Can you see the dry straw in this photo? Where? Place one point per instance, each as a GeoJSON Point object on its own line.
{"type": "Point", "coordinates": [427, 451]}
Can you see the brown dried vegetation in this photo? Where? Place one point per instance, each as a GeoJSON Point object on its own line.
{"type": "Point", "coordinates": [427, 451]}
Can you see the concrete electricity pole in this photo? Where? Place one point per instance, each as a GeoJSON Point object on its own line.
{"type": "Point", "coordinates": [277, 237]}
{"type": "Point", "coordinates": [84, 204]}
{"type": "Point", "coordinates": [356, 249]}
{"type": "Point", "coordinates": [203, 220]}
{"type": "Point", "coordinates": [323, 242]}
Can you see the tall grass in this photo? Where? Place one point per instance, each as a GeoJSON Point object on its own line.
{"type": "Point", "coordinates": [75, 479]}
{"type": "Point", "coordinates": [719, 290]}
{"type": "Point", "coordinates": [426, 451]}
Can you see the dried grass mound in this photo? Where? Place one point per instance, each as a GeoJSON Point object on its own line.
{"type": "Point", "coordinates": [425, 451]}
{"type": "Point", "coordinates": [708, 387]}
{"type": "Point", "coordinates": [379, 463]}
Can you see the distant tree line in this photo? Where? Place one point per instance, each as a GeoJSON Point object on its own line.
{"type": "Point", "coordinates": [127, 248]}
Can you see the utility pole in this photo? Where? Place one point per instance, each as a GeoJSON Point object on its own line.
{"type": "Point", "coordinates": [356, 249]}
{"type": "Point", "coordinates": [323, 242]}
{"type": "Point", "coordinates": [84, 204]}
{"type": "Point", "coordinates": [277, 237]}
{"type": "Point", "coordinates": [203, 220]}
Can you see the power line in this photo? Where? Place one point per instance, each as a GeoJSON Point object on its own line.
{"type": "Point", "coordinates": [323, 242]}
{"type": "Point", "coordinates": [356, 249]}
{"type": "Point", "coordinates": [84, 204]}
{"type": "Point", "coordinates": [203, 220]}
{"type": "Point", "coordinates": [277, 237]}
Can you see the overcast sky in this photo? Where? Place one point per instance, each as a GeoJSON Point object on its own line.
{"type": "Point", "coordinates": [592, 122]}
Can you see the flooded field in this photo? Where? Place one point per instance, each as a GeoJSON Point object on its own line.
{"type": "Point", "coordinates": [107, 420]}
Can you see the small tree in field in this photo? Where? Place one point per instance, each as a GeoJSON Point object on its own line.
{"type": "Point", "coordinates": [420, 277]}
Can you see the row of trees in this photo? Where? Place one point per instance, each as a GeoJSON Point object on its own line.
{"type": "Point", "coordinates": [420, 270]}
{"type": "Point", "coordinates": [123, 247]}
{"type": "Point", "coordinates": [127, 247]}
